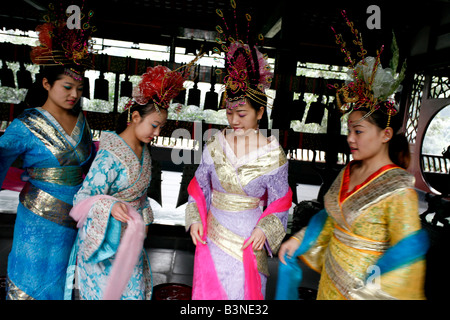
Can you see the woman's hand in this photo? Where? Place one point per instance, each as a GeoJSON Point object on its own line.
{"type": "Point", "coordinates": [120, 212]}
{"type": "Point", "coordinates": [289, 247]}
{"type": "Point", "coordinates": [197, 233]}
{"type": "Point", "coordinates": [258, 238]}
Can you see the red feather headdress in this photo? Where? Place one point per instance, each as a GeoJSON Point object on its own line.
{"type": "Point", "coordinates": [160, 85]}
{"type": "Point", "coordinates": [59, 45]}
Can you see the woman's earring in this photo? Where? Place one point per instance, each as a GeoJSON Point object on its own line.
{"type": "Point", "coordinates": [129, 117]}
{"type": "Point", "coordinates": [257, 127]}
{"type": "Point", "coordinates": [128, 107]}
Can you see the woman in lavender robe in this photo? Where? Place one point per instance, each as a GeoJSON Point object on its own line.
{"type": "Point", "coordinates": [241, 170]}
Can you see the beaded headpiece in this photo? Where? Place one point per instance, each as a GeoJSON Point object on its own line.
{"type": "Point", "coordinates": [159, 85]}
{"type": "Point", "coordinates": [248, 71]}
{"type": "Point", "coordinates": [371, 87]}
{"type": "Point", "coordinates": [64, 46]}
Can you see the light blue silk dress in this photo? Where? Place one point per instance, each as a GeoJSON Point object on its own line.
{"type": "Point", "coordinates": [118, 172]}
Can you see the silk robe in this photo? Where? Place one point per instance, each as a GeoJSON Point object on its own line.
{"type": "Point", "coordinates": [44, 233]}
{"type": "Point", "coordinates": [362, 225]}
{"type": "Point", "coordinates": [234, 189]}
{"type": "Point", "coordinates": [118, 172]}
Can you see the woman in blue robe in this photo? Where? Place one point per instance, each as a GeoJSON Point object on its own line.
{"type": "Point", "coordinates": [55, 144]}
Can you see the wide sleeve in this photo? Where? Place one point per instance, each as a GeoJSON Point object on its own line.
{"type": "Point", "coordinates": [13, 143]}
{"type": "Point", "coordinates": [203, 176]}
{"type": "Point", "coordinates": [315, 256]}
{"type": "Point", "coordinates": [402, 210]}
{"type": "Point", "coordinates": [101, 232]}
{"type": "Point", "coordinates": [274, 225]}
{"type": "Point", "coordinates": [102, 176]}
{"type": "Point", "coordinates": [147, 211]}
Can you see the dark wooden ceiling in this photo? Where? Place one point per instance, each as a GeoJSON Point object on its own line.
{"type": "Point", "coordinates": [306, 24]}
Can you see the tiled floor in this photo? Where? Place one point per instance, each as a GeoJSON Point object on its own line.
{"type": "Point", "coordinates": [171, 266]}
{"type": "Point", "coordinates": [176, 266]}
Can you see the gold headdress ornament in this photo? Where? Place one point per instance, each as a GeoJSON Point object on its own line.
{"type": "Point", "coordinates": [248, 71]}
{"type": "Point", "coordinates": [160, 85]}
{"type": "Point", "coordinates": [371, 87]}
{"type": "Point", "coordinates": [60, 45]}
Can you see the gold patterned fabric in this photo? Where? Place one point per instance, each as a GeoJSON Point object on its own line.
{"type": "Point", "coordinates": [46, 205]}
{"type": "Point", "coordinates": [235, 179]}
{"type": "Point", "coordinates": [191, 215]}
{"type": "Point", "coordinates": [48, 130]}
{"type": "Point", "coordinates": [231, 243]}
{"type": "Point", "coordinates": [68, 176]}
{"type": "Point", "coordinates": [234, 175]}
{"type": "Point", "coordinates": [361, 226]}
{"type": "Point", "coordinates": [15, 293]}
{"type": "Point", "coordinates": [233, 202]}
{"type": "Point", "coordinates": [235, 190]}
{"type": "Point", "coordinates": [263, 165]}
{"type": "Point", "coordinates": [274, 231]}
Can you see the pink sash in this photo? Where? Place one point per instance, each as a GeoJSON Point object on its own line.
{"type": "Point", "coordinates": [252, 278]}
{"type": "Point", "coordinates": [206, 285]}
{"type": "Point", "coordinates": [129, 249]}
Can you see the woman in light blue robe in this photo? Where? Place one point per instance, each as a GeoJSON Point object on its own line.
{"type": "Point", "coordinates": [114, 196]}
{"type": "Point", "coordinates": [119, 172]}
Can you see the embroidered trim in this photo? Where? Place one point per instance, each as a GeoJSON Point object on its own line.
{"type": "Point", "coordinates": [231, 243]}
{"type": "Point", "coordinates": [47, 206]}
{"type": "Point", "coordinates": [15, 293]}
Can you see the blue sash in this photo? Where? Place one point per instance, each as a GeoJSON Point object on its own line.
{"type": "Point", "coordinates": [410, 249]}
{"type": "Point", "coordinates": [290, 274]}
{"type": "Point", "coordinates": [407, 251]}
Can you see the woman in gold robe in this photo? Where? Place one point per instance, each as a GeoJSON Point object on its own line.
{"type": "Point", "coordinates": [371, 245]}
{"type": "Point", "coordinates": [362, 224]}
{"type": "Point", "coordinates": [370, 209]}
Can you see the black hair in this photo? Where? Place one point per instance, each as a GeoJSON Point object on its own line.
{"type": "Point", "coordinates": [398, 145]}
{"type": "Point", "coordinates": [143, 110]}
{"type": "Point", "coordinates": [264, 122]}
{"type": "Point", "coordinates": [37, 95]}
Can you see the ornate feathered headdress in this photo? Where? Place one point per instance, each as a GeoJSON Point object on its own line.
{"type": "Point", "coordinates": [248, 71]}
{"type": "Point", "coordinates": [61, 45]}
{"type": "Point", "coordinates": [371, 87]}
{"type": "Point", "coordinates": [159, 85]}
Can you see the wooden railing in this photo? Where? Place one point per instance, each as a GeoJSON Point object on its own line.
{"type": "Point", "coordinates": [435, 164]}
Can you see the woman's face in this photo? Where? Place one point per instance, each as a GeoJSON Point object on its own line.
{"type": "Point", "coordinates": [65, 92]}
{"type": "Point", "coordinates": [243, 118]}
{"type": "Point", "coordinates": [149, 126]}
{"type": "Point", "coordinates": [366, 140]}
